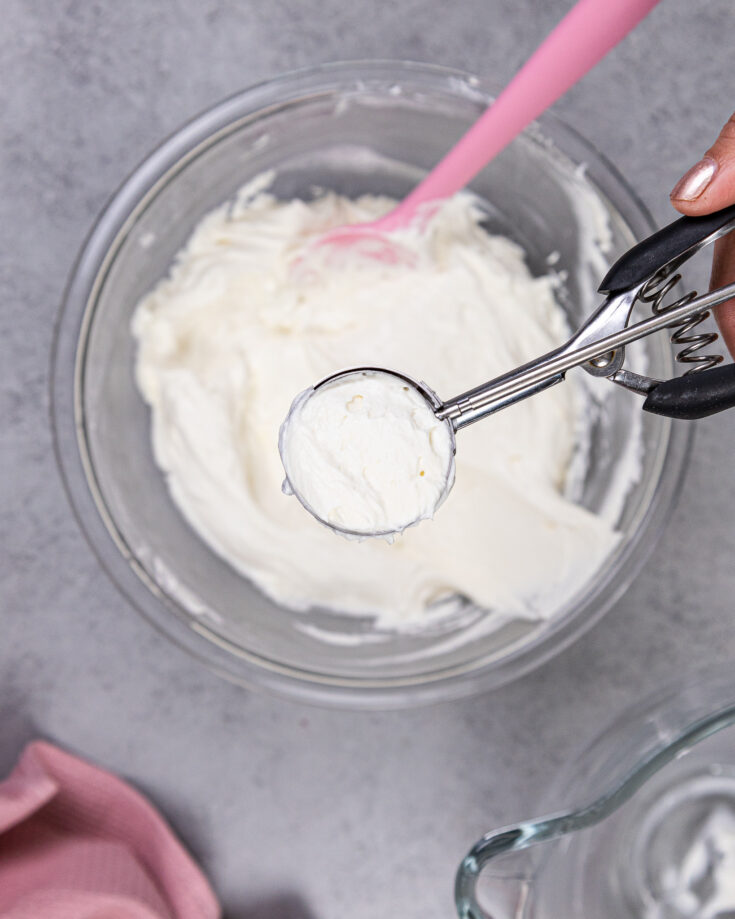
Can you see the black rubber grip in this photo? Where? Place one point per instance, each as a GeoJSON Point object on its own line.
{"type": "Point", "coordinates": [673, 241]}
{"type": "Point", "coordinates": [694, 395]}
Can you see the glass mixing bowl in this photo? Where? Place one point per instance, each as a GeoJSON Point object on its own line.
{"type": "Point", "coordinates": [650, 830]}
{"type": "Point", "coordinates": [355, 128]}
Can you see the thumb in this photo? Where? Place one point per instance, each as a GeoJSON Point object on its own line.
{"type": "Point", "coordinates": [710, 184]}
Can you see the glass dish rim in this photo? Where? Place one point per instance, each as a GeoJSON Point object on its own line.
{"type": "Point", "coordinates": [78, 477]}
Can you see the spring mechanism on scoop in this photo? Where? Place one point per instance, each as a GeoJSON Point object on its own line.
{"type": "Point", "coordinates": [654, 292]}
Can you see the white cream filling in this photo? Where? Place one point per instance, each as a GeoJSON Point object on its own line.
{"type": "Point", "coordinates": [366, 454]}
{"type": "Point", "coordinates": [236, 329]}
{"type": "Point", "coordinates": [702, 885]}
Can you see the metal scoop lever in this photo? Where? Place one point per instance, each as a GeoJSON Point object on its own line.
{"type": "Point", "coordinates": [551, 368]}
{"type": "Point", "coordinates": [644, 274]}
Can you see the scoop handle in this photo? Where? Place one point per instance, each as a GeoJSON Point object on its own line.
{"type": "Point", "coordinates": [695, 395]}
{"type": "Point", "coordinates": [671, 244]}
{"type": "Point", "coordinates": [579, 41]}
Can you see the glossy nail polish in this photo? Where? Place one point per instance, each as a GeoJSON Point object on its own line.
{"type": "Point", "coordinates": [691, 185]}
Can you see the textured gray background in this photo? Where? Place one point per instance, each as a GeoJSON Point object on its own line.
{"type": "Point", "coordinates": [297, 812]}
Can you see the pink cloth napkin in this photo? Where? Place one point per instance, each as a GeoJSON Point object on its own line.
{"type": "Point", "coordinates": [78, 843]}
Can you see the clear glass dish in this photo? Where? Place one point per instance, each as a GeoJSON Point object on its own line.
{"type": "Point", "coordinates": [369, 127]}
{"type": "Point", "coordinates": [632, 843]}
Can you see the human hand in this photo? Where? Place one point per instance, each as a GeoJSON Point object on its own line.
{"type": "Point", "coordinates": [709, 186]}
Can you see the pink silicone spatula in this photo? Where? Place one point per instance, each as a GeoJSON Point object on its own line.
{"type": "Point", "coordinates": [582, 38]}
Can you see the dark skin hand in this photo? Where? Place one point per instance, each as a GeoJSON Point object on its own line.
{"type": "Point", "coordinates": [709, 186]}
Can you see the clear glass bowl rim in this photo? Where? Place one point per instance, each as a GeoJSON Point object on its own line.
{"type": "Point", "coordinates": [235, 664]}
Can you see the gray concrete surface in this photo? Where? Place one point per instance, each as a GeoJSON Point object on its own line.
{"type": "Point", "coordinates": [298, 813]}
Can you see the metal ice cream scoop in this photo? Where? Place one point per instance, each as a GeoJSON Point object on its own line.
{"type": "Point", "coordinates": [645, 274]}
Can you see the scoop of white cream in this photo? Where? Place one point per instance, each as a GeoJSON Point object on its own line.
{"type": "Point", "coordinates": [234, 331]}
{"type": "Point", "coordinates": [366, 454]}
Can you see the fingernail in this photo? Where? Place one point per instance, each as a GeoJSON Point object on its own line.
{"type": "Point", "coordinates": [691, 185]}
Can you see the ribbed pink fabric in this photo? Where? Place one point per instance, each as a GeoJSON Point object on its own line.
{"type": "Point", "coordinates": [78, 843]}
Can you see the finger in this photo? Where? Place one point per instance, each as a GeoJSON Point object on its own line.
{"type": "Point", "coordinates": [710, 184]}
{"type": "Point", "coordinates": [723, 272]}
